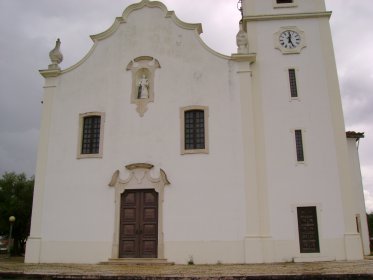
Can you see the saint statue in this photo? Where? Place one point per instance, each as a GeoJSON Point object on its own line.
{"type": "Point", "coordinates": [143, 88]}
{"type": "Point", "coordinates": [242, 41]}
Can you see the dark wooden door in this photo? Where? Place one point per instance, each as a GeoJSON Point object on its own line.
{"type": "Point", "coordinates": [308, 230]}
{"type": "Point", "coordinates": [138, 224]}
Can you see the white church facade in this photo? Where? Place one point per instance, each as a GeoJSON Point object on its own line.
{"type": "Point", "coordinates": [156, 147]}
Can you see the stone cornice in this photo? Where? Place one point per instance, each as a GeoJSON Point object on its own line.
{"type": "Point", "coordinates": [286, 16]}
{"type": "Point", "coordinates": [50, 73]}
{"type": "Point", "coordinates": [251, 57]}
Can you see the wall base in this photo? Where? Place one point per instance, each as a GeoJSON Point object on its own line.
{"type": "Point", "coordinates": [353, 247]}
{"type": "Point", "coordinates": [33, 246]}
{"type": "Point", "coordinates": [258, 249]}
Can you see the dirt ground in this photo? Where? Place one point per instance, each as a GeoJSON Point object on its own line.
{"type": "Point", "coordinates": [16, 266]}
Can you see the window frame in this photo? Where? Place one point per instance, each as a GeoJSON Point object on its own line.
{"type": "Point", "coordinates": [290, 83]}
{"type": "Point", "coordinates": [285, 5]}
{"type": "Point", "coordinates": [82, 116]}
{"type": "Point", "coordinates": [182, 130]}
{"type": "Point", "coordinates": [296, 145]}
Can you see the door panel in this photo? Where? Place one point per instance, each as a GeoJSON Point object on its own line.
{"type": "Point", "coordinates": [308, 230]}
{"type": "Point", "coordinates": [139, 224]}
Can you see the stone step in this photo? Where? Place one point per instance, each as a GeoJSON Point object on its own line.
{"type": "Point", "coordinates": [138, 261]}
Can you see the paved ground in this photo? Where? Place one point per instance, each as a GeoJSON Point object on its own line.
{"type": "Point", "coordinates": [324, 270]}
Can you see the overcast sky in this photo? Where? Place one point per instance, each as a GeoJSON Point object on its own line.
{"type": "Point", "coordinates": [29, 29]}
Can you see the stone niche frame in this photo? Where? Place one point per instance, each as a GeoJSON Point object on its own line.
{"type": "Point", "coordinates": [142, 66]}
{"type": "Point", "coordinates": [139, 178]}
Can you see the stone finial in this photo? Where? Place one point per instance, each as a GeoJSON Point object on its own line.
{"type": "Point", "coordinates": [242, 41]}
{"type": "Point", "coordinates": [55, 56]}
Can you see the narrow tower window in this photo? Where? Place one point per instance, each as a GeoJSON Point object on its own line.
{"type": "Point", "coordinates": [284, 1]}
{"type": "Point", "coordinates": [293, 83]}
{"type": "Point", "coordinates": [299, 145]}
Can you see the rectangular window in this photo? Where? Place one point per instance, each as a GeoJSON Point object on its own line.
{"type": "Point", "coordinates": [299, 145]}
{"type": "Point", "coordinates": [91, 126]}
{"type": "Point", "coordinates": [293, 84]}
{"type": "Point", "coordinates": [194, 129]}
{"type": "Point", "coordinates": [308, 230]}
{"type": "Point", "coordinates": [91, 135]}
{"type": "Point", "coordinates": [284, 1]}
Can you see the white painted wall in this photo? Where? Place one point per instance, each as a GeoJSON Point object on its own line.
{"type": "Point", "coordinates": [317, 181]}
{"type": "Point", "coordinates": [205, 200]}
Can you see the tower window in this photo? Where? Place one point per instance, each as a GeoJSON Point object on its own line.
{"type": "Point", "coordinates": [293, 83]}
{"type": "Point", "coordinates": [194, 129]}
{"type": "Point", "coordinates": [299, 145]}
{"type": "Point", "coordinates": [284, 1]}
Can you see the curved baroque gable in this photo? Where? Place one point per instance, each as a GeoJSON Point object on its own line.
{"type": "Point", "coordinates": [140, 5]}
{"type": "Point", "coordinates": [197, 27]}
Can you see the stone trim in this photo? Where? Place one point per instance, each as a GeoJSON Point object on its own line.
{"type": "Point", "coordinates": [139, 178]}
{"type": "Point", "coordinates": [297, 50]}
{"type": "Point", "coordinates": [286, 16]}
{"type": "Point", "coordinates": [143, 66]}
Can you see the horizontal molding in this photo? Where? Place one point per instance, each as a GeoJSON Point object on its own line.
{"type": "Point", "coordinates": [286, 16]}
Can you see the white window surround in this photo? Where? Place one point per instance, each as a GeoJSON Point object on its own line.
{"type": "Point", "coordinates": [80, 135]}
{"type": "Point", "coordinates": [182, 130]}
{"type": "Point", "coordinates": [285, 5]}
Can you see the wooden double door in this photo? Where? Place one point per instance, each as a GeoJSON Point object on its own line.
{"type": "Point", "coordinates": [138, 236]}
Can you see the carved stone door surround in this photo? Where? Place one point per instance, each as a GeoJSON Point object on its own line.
{"type": "Point", "coordinates": [139, 178]}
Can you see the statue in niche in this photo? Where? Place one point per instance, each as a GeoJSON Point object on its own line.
{"type": "Point", "coordinates": [242, 41]}
{"type": "Point", "coordinates": [143, 88]}
{"type": "Point", "coordinates": [143, 72]}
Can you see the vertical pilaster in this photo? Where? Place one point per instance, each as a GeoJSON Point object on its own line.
{"type": "Point", "coordinates": [33, 247]}
{"type": "Point", "coordinates": [353, 249]}
{"type": "Point", "coordinates": [256, 239]}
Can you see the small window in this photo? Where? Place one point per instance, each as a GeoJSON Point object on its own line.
{"type": "Point", "coordinates": [90, 135]}
{"type": "Point", "coordinates": [194, 130]}
{"type": "Point", "coordinates": [299, 145]}
{"type": "Point", "coordinates": [284, 1]}
{"type": "Point", "coordinates": [308, 230]}
{"type": "Point", "coordinates": [293, 84]}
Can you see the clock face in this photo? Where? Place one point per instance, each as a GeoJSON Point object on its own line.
{"type": "Point", "coordinates": [289, 39]}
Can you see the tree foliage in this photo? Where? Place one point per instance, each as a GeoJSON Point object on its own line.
{"type": "Point", "coordinates": [16, 192]}
{"type": "Point", "coordinates": [370, 224]}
